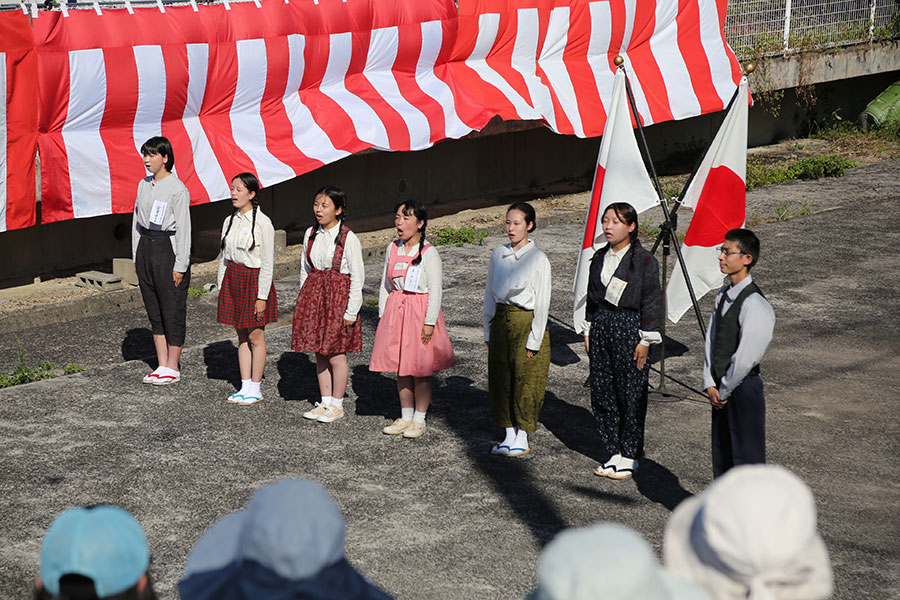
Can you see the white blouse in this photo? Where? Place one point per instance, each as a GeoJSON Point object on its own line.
{"type": "Point", "coordinates": [431, 283]}
{"type": "Point", "coordinates": [237, 247]}
{"type": "Point", "coordinates": [351, 263]}
{"type": "Point", "coordinates": [522, 279]}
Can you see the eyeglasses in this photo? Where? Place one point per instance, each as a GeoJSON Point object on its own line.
{"type": "Point", "coordinates": [727, 252]}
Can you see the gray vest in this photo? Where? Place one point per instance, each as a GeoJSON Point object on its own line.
{"type": "Point", "coordinates": [728, 334]}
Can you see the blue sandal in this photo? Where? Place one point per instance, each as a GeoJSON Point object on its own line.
{"type": "Point", "coordinates": [500, 449]}
{"type": "Point", "coordinates": [518, 451]}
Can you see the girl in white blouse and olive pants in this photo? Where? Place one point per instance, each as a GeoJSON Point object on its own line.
{"type": "Point", "coordinates": [516, 307]}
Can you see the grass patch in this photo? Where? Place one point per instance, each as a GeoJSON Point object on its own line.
{"type": "Point", "coordinates": [371, 301]}
{"type": "Point", "coordinates": [451, 236]}
{"type": "Point", "coordinates": [846, 139]}
{"type": "Point", "coordinates": [761, 171]}
{"type": "Point", "coordinates": [25, 374]}
{"type": "Point", "coordinates": [196, 291]}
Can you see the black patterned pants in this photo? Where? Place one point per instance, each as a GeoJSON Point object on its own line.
{"type": "Point", "coordinates": [166, 304]}
{"type": "Point", "coordinates": [618, 388]}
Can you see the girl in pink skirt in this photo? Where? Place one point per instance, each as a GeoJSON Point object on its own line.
{"type": "Point", "coordinates": [411, 338]}
{"type": "Point", "coordinates": [326, 318]}
{"type": "Point", "coordinates": [247, 299]}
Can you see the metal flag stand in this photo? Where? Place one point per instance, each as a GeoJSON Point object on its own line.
{"type": "Point", "coordinates": [668, 238]}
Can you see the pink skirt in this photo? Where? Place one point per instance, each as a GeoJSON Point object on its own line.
{"type": "Point", "coordinates": [398, 340]}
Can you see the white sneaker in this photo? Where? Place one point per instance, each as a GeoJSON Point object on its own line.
{"type": "Point", "coordinates": [331, 414]}
{"type": "Point", "coordinates": [316, 412]}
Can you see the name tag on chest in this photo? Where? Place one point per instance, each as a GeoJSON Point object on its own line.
{"type": "Point", "coordinates": [411, 279]}
{"type": "Point", "coordinates": [614, 290]}
{"type": "Point", "coordinates": [158, 213]}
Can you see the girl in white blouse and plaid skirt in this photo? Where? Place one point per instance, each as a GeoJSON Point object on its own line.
{"type": "Point", "coordinates": [247, 299]}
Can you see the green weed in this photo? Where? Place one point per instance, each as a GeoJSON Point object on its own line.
{"type": "Point", "coordinates": [71, 369]}
{"type": "Point", "coordinates": [196, 291]}
{"type": "Point", "coordinates": [25, 374]}
{"type": "Point", "coordinates": [760, 173]}
{"type": "Point", "coordinates": [450, 236]}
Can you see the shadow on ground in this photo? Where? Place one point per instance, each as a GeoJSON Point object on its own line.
{"type": "Point", "coordinates": [138, 345]}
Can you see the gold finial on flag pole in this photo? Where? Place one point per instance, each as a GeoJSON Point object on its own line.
{"type": "Point", "coordinates": [749, 68]}
{"type": "Point", "coordinates": [618, 61]}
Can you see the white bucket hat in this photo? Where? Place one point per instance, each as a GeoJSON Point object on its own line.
{"type": "Point", "coordinates": [752, 534]}
{"type": "Point", "coordinates": [606, 561]}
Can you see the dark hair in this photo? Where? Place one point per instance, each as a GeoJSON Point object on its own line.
{"type": "Point", "coordinates": [252, 184]}
{"type": "Point", "coordinates": [160, 145]}
{"type": "Point", "coordinates": [78, 587]}
{"type": "Point", "coordinates": [339, 198]}
{"type": "Point", "coordinates": [527, 210]}
{"type": "Point", "coordinates": [627, 215]}
{"type": "Point", "coordinates": [416, 209]}
{"type": "Point", "coordinates": [747, 242]}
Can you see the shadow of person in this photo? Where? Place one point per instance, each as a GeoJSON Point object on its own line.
{"type": "Point", "coordinates": [673, 348]}
{"type": "Point", "coordinates": [297, 377]}
{"type": "Point", "coordinates": [138, 345]}
{"type": "Point", "coordinates": [376, 393]}
{"type": "Point", "coordinates": [560, 338]}
{"type": "Point", "coordinates": [658, 484]}
{"type": "Point", "coordinates": [468, 416]}
{"type": "Point", "coordinates": [573, 425]}
{"type": "Point", "coordinates": [222, 362]}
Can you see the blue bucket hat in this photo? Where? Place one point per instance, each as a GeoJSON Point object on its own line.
{"type": "Point", "coordinates": [103, 543]}
{"type": "Point", "coordinates": [288, 543]}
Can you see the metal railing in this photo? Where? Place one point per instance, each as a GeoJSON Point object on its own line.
{"type": "Point", "coordinates": [759, 28]}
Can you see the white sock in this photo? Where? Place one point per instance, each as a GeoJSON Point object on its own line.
{"type": "Point", "coordinates": [407, 413]}
{"type": "Point", "coordinates": [254, 388]}
{"type": "Point", "coordinates": [510, 437]}
{"type": "Point", "coordinates": [418, 417]}
{"type": "Point", "coordinates": [521, 439]}
{"type": "Point", "coordinates": [326, 401]}
{"type": "Point", "coordinates": [166, 371]}
{"type": "Point", "coordinates": [159, 370]}
{"type": "Point", "coordinates": [338, 402]}
{"type": "Point", "coordinates": [245, 384]}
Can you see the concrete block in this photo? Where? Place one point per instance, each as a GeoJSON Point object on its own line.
{"type": "Point", "coordinates": [124, 268]}
{"type": "Point", "coordinates": [104, 282]}
{"type": "Point", "coordinates": [280, 241]}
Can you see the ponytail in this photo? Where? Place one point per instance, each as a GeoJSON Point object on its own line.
{"type": "Point", "coordinates": [253, 226]}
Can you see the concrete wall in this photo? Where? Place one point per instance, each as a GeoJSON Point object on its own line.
{"type": "Point", "coordinates": [506, 161]}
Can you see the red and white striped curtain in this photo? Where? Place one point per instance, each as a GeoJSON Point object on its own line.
{"type": "Point", "coordinates": [552, 60]}
{"type": "Point", "coordinates": [281, 87]}
{"type": "Point", "coordinates": [18, 122]}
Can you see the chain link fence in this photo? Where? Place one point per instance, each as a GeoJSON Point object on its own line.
{"type": "Point", "coordinates": [758, 28]}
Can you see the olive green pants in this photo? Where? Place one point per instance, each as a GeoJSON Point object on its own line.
{"type": "Point", "coordinates": [516, 383]}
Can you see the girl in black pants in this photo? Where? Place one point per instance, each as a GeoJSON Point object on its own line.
{"type": "Point", "coordinates": [624, 308]}
{"type": "Point", "coordinates": [161, 247]}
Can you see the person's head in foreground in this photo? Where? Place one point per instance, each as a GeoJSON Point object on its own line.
{"type": "Point", "coordinates": [93, 553]}
{"type": "Point", "coordinates": [606, 561]}
{"type": "Point", "coordinates": [751, 534]}
{"type": "Point", "coordinates": [288, 543]}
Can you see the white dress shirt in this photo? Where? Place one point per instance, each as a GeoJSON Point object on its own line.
{"type": "Point", "coordinates": [351, 263]}
{"type": "Point", "coordinates": [237, 247]}
{"type": "Point", "coordinates": [430, 284]}
{"type": "Point", "coordinates": [176, 216]}
{"type": "Point", "coordinates": [757, 321]}
{"type": "Point", "coordinates": [520, 278]}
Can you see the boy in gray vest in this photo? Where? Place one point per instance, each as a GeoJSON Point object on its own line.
{"type": "Point", "coordinates": [739, 332]}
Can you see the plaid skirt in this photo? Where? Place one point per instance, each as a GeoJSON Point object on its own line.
{"type": "Point", "coordinates": [237, 298]}
{"type": "Point", "coordinates": [319, 316]}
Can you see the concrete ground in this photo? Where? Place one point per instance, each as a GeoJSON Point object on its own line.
{"type": "Point", "coordinates": [440, 517]}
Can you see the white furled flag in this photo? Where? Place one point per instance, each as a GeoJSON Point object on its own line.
{"type": "Point", "coordinates": [718, 196]}
{"type": "Point", "coordinates": [621, 176]}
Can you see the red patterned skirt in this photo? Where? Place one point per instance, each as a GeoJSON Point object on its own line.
{"type": "Point", "coordinates": [237, 298]}
{"type": "Point", "coordinates": [319, 315]}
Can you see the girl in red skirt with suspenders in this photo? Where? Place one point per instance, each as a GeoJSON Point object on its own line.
{"type": "Point", "coordinates": [246, 293]}
{"type": "Point", "coordinates": [411, 338]}
{"type": "Point", "coordinates": [326, 318]}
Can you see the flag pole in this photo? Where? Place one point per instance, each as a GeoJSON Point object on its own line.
{"type": "Point", "coordinates": [667, 225]}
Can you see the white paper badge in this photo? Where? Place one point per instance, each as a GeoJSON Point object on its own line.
{"type": "Point", "coordinates": [158, 212]}
{"type": "Point", "coordinates": [614, 290]}
{"type": "Point", "coordinates": [411, 280]}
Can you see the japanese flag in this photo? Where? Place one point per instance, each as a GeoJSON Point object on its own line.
{"type": "Point", "coordinates": [621, 176]}
{"type": "Point", "coordinates": [718, 196]}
